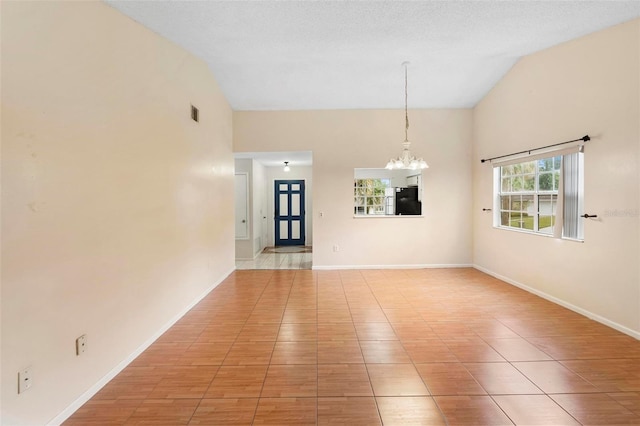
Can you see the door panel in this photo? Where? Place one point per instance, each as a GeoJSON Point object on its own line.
{"type": "Point", "coordinates": [295, 204]}
{"type": "Point", "coordinates": [295, 229]}
{"type": "Point", "coordinates": [289, 212]}
{"type": "Point", "coordinates": [284, 204]}
{"type": "Point", "coordinates": [284, 230]}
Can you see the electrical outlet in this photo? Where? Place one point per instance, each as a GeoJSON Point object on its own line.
{"type": "Point", "coordinates": [81, 345]}
{"type": "Point", "coordinates": [25, 380]}
{"type": "Point", "coordinates": [336, 248]}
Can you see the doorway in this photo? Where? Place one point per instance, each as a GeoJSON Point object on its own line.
{"type": "Point", "coordinates": [289, 212]}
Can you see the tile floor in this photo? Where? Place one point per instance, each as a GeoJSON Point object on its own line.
{"type": "Point", "coordinates": [270, 259]}
{"type": "Point", "coordinates": [420, 347]}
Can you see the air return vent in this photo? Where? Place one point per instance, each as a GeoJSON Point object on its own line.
{"type": "Point", "coordinates": [195, 114]}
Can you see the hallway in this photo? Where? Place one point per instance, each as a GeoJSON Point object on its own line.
{"type": "Point", "coordinates": [296, 257]}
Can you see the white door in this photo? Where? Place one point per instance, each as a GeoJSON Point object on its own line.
{"type": "Point", "coordinates": [242, 203]}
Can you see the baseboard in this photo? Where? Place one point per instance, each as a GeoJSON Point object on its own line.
{"type": "Point", "coordinates": [73, 407]}
{"type": "Point", "coordinates": [621, 328]}
{"type": "Point", "coordinates": [413, 266]}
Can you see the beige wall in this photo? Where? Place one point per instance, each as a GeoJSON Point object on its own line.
{"type": "Point", "coordinates": [589, 85]}
{"type": "Point", "coordinates": [111, 195]}
{"type": "Point", "coordinates": [344, 140]}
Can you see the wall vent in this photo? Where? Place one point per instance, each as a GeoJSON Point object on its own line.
{"type": "Point", "coordinates": [195, 114]}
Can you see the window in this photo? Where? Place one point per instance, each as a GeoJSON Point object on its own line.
{"type": "Point", "coordinates": [387, 193]}
{"type": "Point", "coordinates": [370, 196]}
{"type": "Point", "coordinates": [529, 194]}
{"type": "Point", "coordinates": [533, 195]}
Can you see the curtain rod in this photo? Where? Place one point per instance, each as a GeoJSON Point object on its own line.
{"type": "Point", "coordinates": [585, 138]}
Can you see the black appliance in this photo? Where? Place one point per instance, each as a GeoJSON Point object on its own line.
{"type": "Point", "coordinates": [407, 201]}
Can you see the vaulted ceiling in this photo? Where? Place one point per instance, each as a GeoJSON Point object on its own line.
{"type": "Point", "coordinates": [293, 55]}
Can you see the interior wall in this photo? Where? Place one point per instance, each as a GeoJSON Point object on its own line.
{"type": "Point", "coordinates": [296, 173]}
{"type": "Point", "coordinates": [348, 139]}
{"type": "Point", "coordinates": [260, 211]}
{"type": "Point", "coordinates": [586, 86]}
{"type": "Point", "coordinates": [112, 223]}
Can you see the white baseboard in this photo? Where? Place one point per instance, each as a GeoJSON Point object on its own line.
{"type": "Point", "coordinates": [414, 266]}
{"type": "Point", "coordinates": [621, 328]}
{"type": "Point", "coordinates": [73, 407]}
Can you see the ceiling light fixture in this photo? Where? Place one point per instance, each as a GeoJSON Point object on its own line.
{"type": "Point", "coordinates": [286, 166]}
{"type": "Point", "coordinates": [406, 160]}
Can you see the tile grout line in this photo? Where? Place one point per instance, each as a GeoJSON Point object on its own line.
{"type": "Point", "coordinates": [236, 340]}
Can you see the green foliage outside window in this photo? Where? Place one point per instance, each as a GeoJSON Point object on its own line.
{"type": "Point", "coordinates": [528, 194]}
{"type": "Point", "coordinates": [369, 196]}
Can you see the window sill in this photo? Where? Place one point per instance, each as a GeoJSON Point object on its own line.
{"type": "Point", "coordinates": [525, 231]}
{"type": "Point", "coordinates": [380, 216]}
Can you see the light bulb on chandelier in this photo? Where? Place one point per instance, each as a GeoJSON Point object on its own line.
{"type": "Point", "coordinates": [406, 160]}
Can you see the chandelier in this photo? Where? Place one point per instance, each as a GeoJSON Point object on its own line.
{"type": "Point", "coordinates": [406, 160]}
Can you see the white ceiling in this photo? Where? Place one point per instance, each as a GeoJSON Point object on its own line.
{"type": "Point", "coordinates": [292, 55]}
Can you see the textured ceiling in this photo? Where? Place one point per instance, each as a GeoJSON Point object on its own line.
{"type": "Point", "coordinates": [291, 55]}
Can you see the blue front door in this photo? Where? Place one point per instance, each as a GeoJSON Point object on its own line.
{"type": "Point", "coordinates": [289, 212]}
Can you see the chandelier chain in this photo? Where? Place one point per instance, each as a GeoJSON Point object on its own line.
{"type": "Point", "coordinates": [406, 160]}
{"type": "Point", "coordinates": [406, 111]}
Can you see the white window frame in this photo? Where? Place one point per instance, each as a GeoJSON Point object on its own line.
{"type": "Point", "coordinates": [567, 222]}
{"type": "Point", "coordinates": [534, 194]}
